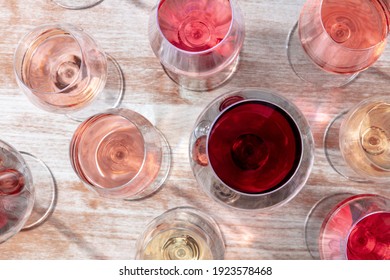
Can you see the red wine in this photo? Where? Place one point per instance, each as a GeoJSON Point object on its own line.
{"type": "Point", "coordinates": [254, 147]}
{"type": "Point", "coordinates": [194, 25]}
{"type": "Point", "coordinates": [369, 239]}
{"type": "Point", "coordinates": [11, 182]}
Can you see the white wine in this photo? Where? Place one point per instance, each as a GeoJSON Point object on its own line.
{"type": "Point", "coordinates": [365, 139]}
{"type": "Point", "coordinates": [177, 244]}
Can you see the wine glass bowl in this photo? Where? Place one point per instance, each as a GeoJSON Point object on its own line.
{"type": "Point", "coordinates": [197, 42]}
{"type": "Point", "coordinates": [251, 149]}
{"type": "Point", "coordinates": [120, 154]}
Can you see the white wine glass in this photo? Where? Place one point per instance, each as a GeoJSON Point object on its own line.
{"type": "Point", "coordinates": [61, 69]}
{"type": "Point", "coordinates": [77, 5]}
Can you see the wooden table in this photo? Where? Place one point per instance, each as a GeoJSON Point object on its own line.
{"type": "Point", "coordinates": [85, 226]}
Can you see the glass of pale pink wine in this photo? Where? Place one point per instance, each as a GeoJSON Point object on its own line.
{"type": "Point", "coordinates": [61, 69]}
{"type": "Point", "coordinates": [345, 226]}
{"type": "Point", "coordinates": [21, 205]}
{"type": "Point", "coordinates": [120, 154]}
{"type": "Point", "coordinates": [197, 41]}
{"type": "Point", "coordinates": [182, 233]}
{"type": "Point", "coordinates": [334, 40]}
{"type": "Point", "coordinates": [251, 149]}
{"type": "Point", "coordinates": [357, 142]}
{"type": "Point", "coordinates": [77, 4]}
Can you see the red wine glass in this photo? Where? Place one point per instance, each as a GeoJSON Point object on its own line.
{"type": "Point", "coordinates": [197, 41]}
{"type": "Point", "coordinates": [334, 40]}
{"type": "Point", "coordinates": [251, 149]}
{"type": "Point", "coordinates": [120, 154]}
{"type": "Point", "coordinates": [24, 204]}
{"type": "Point", "coordinates": [61, 69]}
{"type": "Point", "coordinates": [77, 5]}
{"type": "Point", "coordinates": [346, 226]}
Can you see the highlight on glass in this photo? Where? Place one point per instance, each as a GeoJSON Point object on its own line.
{"type": "Point", "coordinates": [349, 227]}
{"type": "Point", "coordinates": [77, 5]}
{"type": "Point", "coordinates": [120, 154]}
{"type": "Point", "coordinates": [197, 41]}
{"type": "Point", "coordinates": [61, 69]}
{"type": "Point", "coordinates": [19, 209]}
{"type": "Point", "coordinates": [251, 149]}
{"type": "Point", "coordinates": [182, 233]}
{"type": "Point", "coordinates": [334, 40]}
{"type": "Point", "coordinates": [357, 142]}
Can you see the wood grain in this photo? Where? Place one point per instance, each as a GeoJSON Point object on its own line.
{"type": "Point", "coordinates": [84, 226]}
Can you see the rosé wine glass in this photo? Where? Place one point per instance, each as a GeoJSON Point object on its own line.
{"type": "Point", "coordinates": [120, 154]}
{"type": "Point", "coordinates": [251, 150]}
{"type": "Point", "coordinates": [182, 233]}
{"type": "Point", "coordinates": [197, 41]}
{"type": "Point", "coordinates": [357, 142]}
{"type": "Point", "coordinates": [61, 69]}
{"type": "Point", "coordinates": [21, 205]}
{"type": "Point", "coordinates": [345, 226]}
{"type": "Point", "coordinates": [77, 4]}
{"type": "Point", "coordinates": [334, 40]}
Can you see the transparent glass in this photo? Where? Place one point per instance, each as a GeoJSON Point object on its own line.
{"type": "Point", "coordinates": [77, 5]}
{"type": "Point", "coordinates": [345, 226]}
{"type": "Point", "coordinates": [20, 207]}
{"type": "Point", "coordinates": [182, 233]}
{"type": "Point", "coordinates": [61, 69]}
{"type": "Point", "coordinates": [334, 40]}
{"type": "Point", "coordinates": [197, 41]}
{"type": "Point", "coordinates": [120, 154]}
{"type": "Point", "coordinates": [251, 149]}
{"type": "Point", "coordinates": [357, 143]}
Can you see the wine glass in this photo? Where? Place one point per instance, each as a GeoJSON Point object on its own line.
{"type": "Point", "coordinates": [22, 206]}
{"type": "Point", "coordinates": [197, 41]}
{"type": "Point", "coordinates": [120, 154]}
{"type": "Point", "coordinates": [357, 143]}
{"type": "Point", "coordinates": [251, 149]}
{"type": "Point", "coordinates": [61, 69]}
{"type": "Point", "coordinates": [334, 40]}
{"type": "Point", "coordinates": [345, 226]}
{"type": "Point", "coordinates": [182, 233]}
{"type": "Point", "coordinates": [77, 5]}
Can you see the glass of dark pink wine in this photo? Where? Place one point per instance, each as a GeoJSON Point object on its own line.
{"type": "Point", "coordinates": [23, 204]}
{"type": "Point", "coordinates": [120, 154]}
{"type": "Point", "coordinates": [334, 40]}
{"type": "Point", "coordinates": [77, 4]}
{"type": "Point", "coordinates": [62, 69]}
{"type": "Point", "coordinates": [197, 41]}
{"type": "Point", "coordinates": [251, 149]}
{"type": "Point", "coordinates": [349, 227]}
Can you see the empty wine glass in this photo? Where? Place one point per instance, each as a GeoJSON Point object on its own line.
{"type": "Point", "coordinates": [334, 40]}
{"type": "Point", "coordinates": [77, 5]}
{"type": "Point", "coordinates": [197, 41]}
{"type": "Point", "coordinates": [182, 233]}
{"type": "Point", "coordinates": [61, 69]}
{"type": "Point", "coordinates": [251, 149]}
{"type": "Point", "coordinates": [345, 226]}
{"type": "Point", "coordinates": [120, 154]}
{"type": "Point", "coordinates": [23, 205]}
{"type": "Point", "coordinates": [357, 143]}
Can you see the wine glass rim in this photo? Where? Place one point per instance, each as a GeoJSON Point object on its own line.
{"type": "Point", "coordinates": [196, 52]}
{"type": "Point", "coordinates": [386, 32]}
{"type": "Point", "coordinates": [75, 138]}
{"type": "Point", "coordinates": [69, 29]}
{"type": "Point", "coordinates": [259, 99]}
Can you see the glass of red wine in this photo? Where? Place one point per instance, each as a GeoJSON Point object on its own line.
{"type": "Point", "coordinates": [23, 204]}
{"type": "Point", "coordinates": [345, 226]}
{"type": "Point", "coordinates": [334, 40]}
{"type": "Point", "coordinates": [251, 149]}
{"type": "Point", "coordinates": [182, 233]}
{"type": "Point", "coordinates": [197, 41]}
{"type": "Point", "coordinates": [77, 5]}
{"type": "Point", "coordinates": [61, 69]}
{"type": "Point", "coordinates": [120, 154]}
